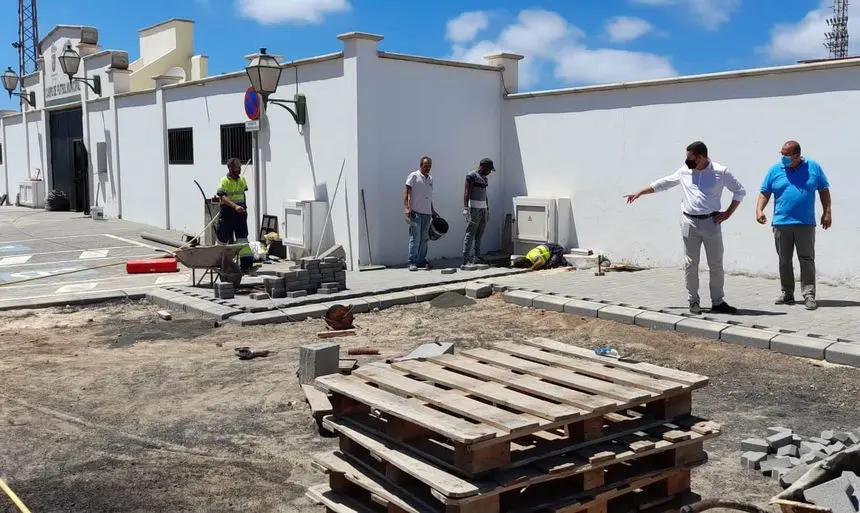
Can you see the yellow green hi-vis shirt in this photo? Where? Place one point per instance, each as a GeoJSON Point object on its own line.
{"type": "Point", "coordinates": [233, 189]}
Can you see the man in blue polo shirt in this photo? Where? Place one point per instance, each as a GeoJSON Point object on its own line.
{"type": "Point", "coordinates": [793, 182]}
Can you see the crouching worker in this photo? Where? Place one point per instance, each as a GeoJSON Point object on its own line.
{"type": "Point", "coordinates": [232, 225]}
{"type": "Point", "coordinates": [545, 256]}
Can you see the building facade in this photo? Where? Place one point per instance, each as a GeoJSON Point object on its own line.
{"type": "Point", "coordinates": [161, 124]}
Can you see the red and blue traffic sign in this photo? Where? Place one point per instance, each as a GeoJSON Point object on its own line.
{"type": "Point", "coordinates": [252, 104]}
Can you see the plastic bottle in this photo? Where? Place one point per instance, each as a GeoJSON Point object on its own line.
{"type": "Point", "coordinates": [607, 351]}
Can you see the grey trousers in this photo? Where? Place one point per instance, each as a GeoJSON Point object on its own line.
{"type": "Point", "coordinates": [697, 233]}
{"type": "Point", "coordinates": [474, 233]}
{"type": "Point", "coordinates": [801, 237]}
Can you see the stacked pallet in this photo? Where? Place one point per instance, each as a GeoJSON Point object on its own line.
{"type": "Point", "coordinates": [537, 427]}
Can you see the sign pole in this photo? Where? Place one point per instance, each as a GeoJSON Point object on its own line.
{"type": "Point", "coordinates": [256, 145]}
{"type": "Point", "coordinates": [253, 108]}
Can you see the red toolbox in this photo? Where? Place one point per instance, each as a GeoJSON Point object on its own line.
{"type": "Point", "coordinates": [152, 265]}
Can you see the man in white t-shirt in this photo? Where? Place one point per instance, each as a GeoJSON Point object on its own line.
{"type": "Point", "coordinates": [419, 212]}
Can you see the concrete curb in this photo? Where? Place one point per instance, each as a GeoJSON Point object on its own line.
{"type": "Point", "coordinates": [74, 300]}
{"type": "Point", "coordinates": [780, 341]}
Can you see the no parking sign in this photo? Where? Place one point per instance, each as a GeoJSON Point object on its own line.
{"type": "Point", "coordinates": [252, 104]}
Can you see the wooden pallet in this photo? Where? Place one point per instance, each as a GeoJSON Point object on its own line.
{"type": "Point", "coordinates": [486, 409]}
{"type": "Point", "coordinates": [579, 471]}
{"type": "Point", "coordinates": [617, 484]}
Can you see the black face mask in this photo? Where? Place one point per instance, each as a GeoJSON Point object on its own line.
{"type": "Point", "coordinates": [691, 163]}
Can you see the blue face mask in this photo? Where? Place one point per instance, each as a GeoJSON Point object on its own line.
{"type": "Point", "coordinates": [786, 160]}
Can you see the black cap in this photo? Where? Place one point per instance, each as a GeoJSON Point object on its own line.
{"type": "Point", "coordinates": [488, 163]}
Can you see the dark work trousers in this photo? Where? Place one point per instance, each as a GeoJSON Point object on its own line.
{"type": "Point", "coordinates": [232, 227]}
{"type": "Point", "coordinates": [787, 238]}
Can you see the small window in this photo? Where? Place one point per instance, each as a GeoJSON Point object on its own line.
{"type": "Point", "coordinates": [235, 143]}
{"type": "Point", "coordinates": [180, 146]}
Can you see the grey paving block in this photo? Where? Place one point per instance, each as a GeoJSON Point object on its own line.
{"type": "Point", "coordinates": [787, 450]}
{"type": "Point", "coordinates": [521, 297]}
{"type": "Point", "coordinates": [800, 346]}
{"type": "Point", "coordinates": [834, 448]}
{"type": "Point", "coordinates": [620, 314]}
{"type": "Point", "coordinates": [160, 297]}
{"type": "Point", "coordinates": [583, 308]}
{"type": "Point", "coordinates": [449, 270]}
{"type": "Point", "coordinates": [793, 475]}
{"type": "Point", "coordinates": [754, 445]}
{"type": "Point", "coordinates": [477, 290]}
{"type": "Point", "coordinates": [807, 447]}
{"type": "Point", "coordinates": [498, 289]}
{"type": "Point", "coordinates": [658, 320]}
{"type": "Point", "coordinates": [550, 303]}
{"type": "Point", "coordinates": [358, 305]}
{"type": "Point", "coordinates": [395, 298]}
{"type": "Point", "coordinates": [751, 460]}
{"type": "Point", "coordinates": [300, 313]}
{"type": "Point", "coordinates": [746, 336]}
{"type": "Point", "coordinates": [779, 440]}
{"type": "Point", "coordinates": [315, 360]}
{"type": "Point", "coordinates": [258, 296]}
{"type": "Point", "coordinates": [459, 288]}
{"type": "Point", "coordinates": [844, 353]}
{"type": "Point", "coordinates": [834, 495]}
{"type": "Point", "coordinates": [767, 466]}
{"type": "Point", "coordinates": [297, 293]}
{"type": "Point", "coordinates": [701, 328]}
{"type": "Point", "coordinates": [427, 293]}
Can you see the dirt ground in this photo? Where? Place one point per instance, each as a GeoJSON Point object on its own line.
{"type": "Point", "coordinates": [111, 409]}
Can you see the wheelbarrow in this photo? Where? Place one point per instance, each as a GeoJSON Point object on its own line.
{"type": "Point", "coordinates": [217, 262]}
{"type": "Point", "coordinates": [791, 500]}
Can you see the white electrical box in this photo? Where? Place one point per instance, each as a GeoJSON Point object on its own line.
{"type": "Point", "coordinates": [211, 208]}
{"type": "Point", "coordinates": [304, 221]}
{"type": "Point", "coordinates": [541, 220]}
{"type": "Point", "coordinates": [31, 193]}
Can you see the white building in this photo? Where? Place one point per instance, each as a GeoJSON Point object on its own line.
{"type": "Point", "coordinates": [162, 123]}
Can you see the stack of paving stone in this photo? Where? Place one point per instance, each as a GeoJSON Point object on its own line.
{"type": "Point", "coordinates": [517, 428]}
{"type": "Point", "coordinates": [311, 276]}
{"type": "Point", "coordinates": [786, 456]}
{"type": "Point", "coordinates": [224, 290]}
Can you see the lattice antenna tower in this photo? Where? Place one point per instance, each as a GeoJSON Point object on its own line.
{"type": "Point", "coordinates": [28, 38]}
{"type": "Point", "coordinates": [836, 40]}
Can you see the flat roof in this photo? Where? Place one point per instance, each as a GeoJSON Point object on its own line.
{"type": "Point", "coordinates": [171, 20]}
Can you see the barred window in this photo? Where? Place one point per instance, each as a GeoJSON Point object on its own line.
{"type": "Point", "coordinates": [180, 146]}
{"type": "Point", "coordinates": [235, 143]}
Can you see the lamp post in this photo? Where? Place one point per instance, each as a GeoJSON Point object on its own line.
{"type": "Point", "coordinates": [10, 83]}
{"type": "Point", "coordinates": [264, 72]}
{"type": "Point", "coordinates": [70, 61]}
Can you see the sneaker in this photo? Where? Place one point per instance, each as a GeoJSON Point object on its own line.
{"type": "Point", "coordinates": [784, 299]}
{"type": "Point", "coordinates": [724, 308]}
{"type": "Point", "coordinates": [413, 267]}
{"type": "Point", "coordinates": [426, 267]}
{"type": "Point", "coordinates": [695, 309]}
{"type": "Point", "coordinates": [810, 303]}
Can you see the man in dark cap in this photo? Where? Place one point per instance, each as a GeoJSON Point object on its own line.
{"type": "Point", "coordinates": [476, 210]}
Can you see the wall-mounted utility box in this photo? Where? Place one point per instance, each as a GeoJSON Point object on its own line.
{"type": "Point", "coordinates": [31, 193]}
{"type": "Point", "coordinates": [540, 220]}
{"type": "Point", "coordinates": [304, 221]}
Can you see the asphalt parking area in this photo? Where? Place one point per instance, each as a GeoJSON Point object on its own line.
{"type": "Point", "coordinates": [45, 256]}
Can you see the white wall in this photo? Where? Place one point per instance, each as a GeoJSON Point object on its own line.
{"type": "Point", "coordinates": [105, 185]}
{"type": "Point", "coordinates": [451, 114]}
{"type": "Point", "coordinates": [15, 161]}
{"type": "Point", "coordinates": [597, 146]}
{"type": "Point", "coordinates": [38, 145]}
{"type": "Point", "coordinates": [141, 169]}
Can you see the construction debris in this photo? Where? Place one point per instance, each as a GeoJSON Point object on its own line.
{"type": "Point", "coordinates": [357, 351]}
{"type": "Point", "coordinates": [317, 360]}
{"type": "Point", "coordinates": [347, 365]}
{"type": "Point", "coordinates": [425, 351]}
{"type": "Point", "coordinates": [164, 315]}
{"type": "Point", "coordinates": [451, 300]}
{"type": "Point", "coordinates": [336, 333]}
{"type": "Point", "coordinates": [246, 353]}
{"type": "Point", "coordinates": [444, 434]}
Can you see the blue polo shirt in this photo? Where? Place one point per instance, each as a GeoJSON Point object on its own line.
{"type": "Point", "coordinates": [794, 191]}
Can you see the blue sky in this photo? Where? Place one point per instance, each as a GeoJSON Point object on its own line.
{"type": "Point", "coordinates": [566, 42]}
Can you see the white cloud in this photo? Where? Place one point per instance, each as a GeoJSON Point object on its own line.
{"type": "Point", "coordinates": [465, 27]}
{"type": "Point", "coordinates": [548, 40]}
{"type": "Point", "coordinates": [622, 29]}
{"type": "Point", "coordinates": [271, 12]}
{"type": "Point", "coordinates": [711, 14]}
{"type": "Point", "coordinates": [804, 39]}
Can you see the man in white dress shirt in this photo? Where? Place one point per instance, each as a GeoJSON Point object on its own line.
{"type": "Point", "coordinates": [702, 181]}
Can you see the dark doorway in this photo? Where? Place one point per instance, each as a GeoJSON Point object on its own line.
{"type": "Point", "coordinates": [69, 170]}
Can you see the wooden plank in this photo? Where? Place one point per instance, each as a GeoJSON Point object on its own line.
{"type": "Point", "coordinates": [450, 400]}
{"type": "Point", "coordinates": [333, 501]}
{"type": "Point", "coordinates": [593, 369]}
{"type": "Point", "coordinates": [445, 483]}
{"type": "Point", "coordinates": [490, 391]}
{"type": "Point", "coordinates": [317, 400]}
{"type": "Point", "coordinates": [528, 384]}
{"type": "Point", "coordinates": [392, 494]}
{"type": "Point", "coordinates": [560, 376]}
{"type": "Point", "coordinates": [336, 333]}
{"type": "Point", "coordinates": [410, 410]}
{"type": "Point", "coordinates": [687, 378]}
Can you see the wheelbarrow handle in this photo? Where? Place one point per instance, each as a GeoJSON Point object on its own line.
{"type": "Point", "coordinates": [707, 504]}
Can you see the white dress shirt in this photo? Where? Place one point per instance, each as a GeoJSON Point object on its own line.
{"type": "Point", "coordinates": [702, 189]}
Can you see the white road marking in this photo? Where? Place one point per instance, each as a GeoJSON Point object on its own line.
{"type": "Point", "coordinates": [37, 284]}
{"type": "Point", "coordinates": [124, 289]}
{"type": "Point", "coordinates": [50, 238]}
{"type": "Point", "coordinates": [60, 262]}
{"type": "Point", "coordinates": [94, 253]}
{"type": "Point", "coordinates": [76, 287]}
{"type": "Point", "coordinates": [166, 280]}
{"type": "Point", "coordinates": [133, 242]}
{"type": "Point", "coordinates": [14, 260]}
{"type": "Point", "coordinates": [78, 250]}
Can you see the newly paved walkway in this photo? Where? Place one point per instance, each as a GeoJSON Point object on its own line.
{"type": "Point", "coordinates": [838, 314]}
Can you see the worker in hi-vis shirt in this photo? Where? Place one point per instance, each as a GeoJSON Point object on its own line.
{"type": "Point", "coordinates": [233, 223]}
{"type": "Point", "coordinates": [545, 256]}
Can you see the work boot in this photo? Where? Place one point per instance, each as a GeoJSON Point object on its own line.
{"type": "Point", "coordinates": [784, 299]}
{"type": "Point", "coordinates": [810, 303]}
{"type": "Point", "coordinates": [695, 309]}
{"type": "Point", "coordinates": [724, 308]}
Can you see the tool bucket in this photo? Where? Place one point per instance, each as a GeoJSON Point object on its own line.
{"type": "Point", "coordinates": [438, 228]}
